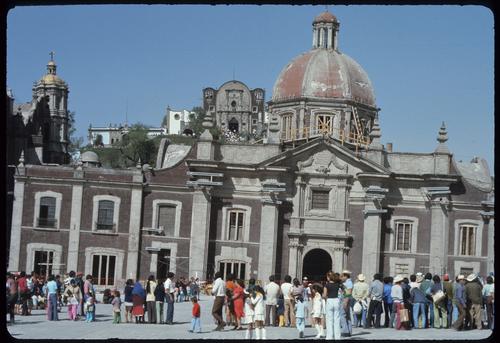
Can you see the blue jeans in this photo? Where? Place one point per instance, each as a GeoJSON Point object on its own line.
{"type": "Point", "coordinates": [431, 315]}
{"type": "Point", "coordinates": [300, 323]}
{"type": "Point", "coordinates": [53, 306]}
{"type": "Point", "coordinates": [419, 309]}
{"type": "Point", "coordinates": [454, 314]}
{"type": "Point", "coordinates": [333, 306]}
{"type": "Point", "coordinates": [169, 318]}
{"type": "Point", "coordinates": [196, 324]}
{"type": "Point", "coordinates": [357, 322]}
{"type": "Point", "coordinates": [345, 317]}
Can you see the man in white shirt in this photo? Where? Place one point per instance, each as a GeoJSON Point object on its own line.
{"type": "Point", "coordinates": [272, 290]}
{"type": "Point", "coordinates": [219, 291]}
{"type": "Point", "coordinates": [169, 297]}
{"type": "Point", "coordinates": [289, 310]}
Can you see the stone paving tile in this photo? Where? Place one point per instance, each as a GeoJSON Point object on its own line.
{"type": "Point", "coordinates": [36, 326]}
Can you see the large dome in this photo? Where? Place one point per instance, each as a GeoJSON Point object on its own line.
{"type": "Point", "coordinates": [324, 73]}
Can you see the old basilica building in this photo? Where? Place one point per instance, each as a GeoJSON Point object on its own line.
{"type": "Point", "coordinates": [318, 192]}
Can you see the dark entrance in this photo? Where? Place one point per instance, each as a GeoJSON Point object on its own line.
{"type": "Point", "coordinates": [233, 125]}
{"type": "Point", "coordinates": [316, 264]}
{"type": "Point", "coordinates": [163, 264]}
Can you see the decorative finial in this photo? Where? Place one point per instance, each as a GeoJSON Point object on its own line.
{"type": "Point", "coordinates": [21, 159]}
{"type": "Point", "coordinates": [52, 53]}
{"type": "Point", "coordinates": [207, 121]}
{"type": "Point", "coordinates": [79, 164]}
{"type": "Point", "coordinates": [443, 134]}
{"type": "Point", "coordinates": [139, 164]}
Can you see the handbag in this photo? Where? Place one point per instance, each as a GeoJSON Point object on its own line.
{"type": "Point", "coordinates": [404, 316]}
{"type": "Point", "coordinates": [357, 308]}
{"type": "Point", "coordinates": [438, 297]}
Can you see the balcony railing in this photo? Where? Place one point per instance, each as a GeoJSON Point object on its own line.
{"type": "Point", "coordinates": [292, 134]}
{"type": "Point", "coordinates": [103, 226]}
{"type": "Point", "coordinates": [46, 222]}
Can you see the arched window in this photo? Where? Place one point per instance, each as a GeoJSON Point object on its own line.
{"type": "Point", "coordinates": [233, 125]}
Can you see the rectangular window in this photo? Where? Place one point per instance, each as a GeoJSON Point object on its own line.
{"type": "Point", "coordinates": [43, 262]}
{"type": "Point", "coordinates": [166, 220]}
{"type": "Point", "coordinates": [235, 268]}
{"type": "Point", "coordinates": [47, 215]}
{"type": "Point", "coordinates": [105, 215]}
{"type": "Point", "coordinates": [235, 232]}
{"type": "Point", "coordinates": [324, 124]}
{"type": "Point", "coordinates": [163, 264]}
{"type": "Point", "coordinates": [103, 269]}
{"type": "Point", "coordinates": [286, 127]}
{"type": "Point", "coordinates": [468, 240]}
{"type": "Point", "coordinates": [403, 236]}
{"type": "Point", "coordinates": [320, 199]}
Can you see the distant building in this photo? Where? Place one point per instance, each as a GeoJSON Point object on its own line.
{"type": "Point", "coordinates": [113, 133]}
{"type": "Point", "coordinates": [176, 121]}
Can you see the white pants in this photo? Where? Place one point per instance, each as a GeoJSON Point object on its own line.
{"type": "Point", "coordinates": [333, 318]}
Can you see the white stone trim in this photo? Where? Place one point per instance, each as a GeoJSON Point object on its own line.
{"type": "Point", "coordinates": [120, 255]}
{"type": "Point", "coordinates": [178, 211]}
{"type": "Point", "coordinates": [479, 236]}
{"type": "Point", "coordinates": [246, 221]}
{"type": "Point", "coordinates": [235, 254]}
{"type": "Point", "coordinates": [457, 264]}
{"type": "Point", "coordinates": [30, 256]}
{"type": "Point", "coordinates": [57, 215]}
{"type": "Point", "coordinates": [173, 256]}
{"type": "Point", "coordinates": [414, 233]}
{"type": "Point", "coordinates": [332, 199]}
{"type": "Point", "coordinates": [400, 260]}
{"type": "Point", "coordinates": [95, 210]}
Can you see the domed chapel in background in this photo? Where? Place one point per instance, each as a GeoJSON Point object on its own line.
{"type": "Point", "coordinates": [314, 190]}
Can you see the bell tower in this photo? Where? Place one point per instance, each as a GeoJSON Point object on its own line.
{"type": "Point", "coordinates": [54, 120]}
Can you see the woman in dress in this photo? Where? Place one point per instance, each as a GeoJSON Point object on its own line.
{"type": "Point", "coordinates": [249, 308]}
{"type": "Point", "coordinates": [138, 296]}
{"type": "Point", "coordinates": [259, 312]}
{"type": "Point", "coordinates": [129, 286]}
{"type": "Point", "coordinates": [238, 302]}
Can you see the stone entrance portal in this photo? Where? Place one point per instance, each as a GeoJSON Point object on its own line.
{"type": "Point", "coordinates": [316, 264]}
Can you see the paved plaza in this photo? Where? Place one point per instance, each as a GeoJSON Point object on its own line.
{"type": "Point", "coordinates": [37, 326]}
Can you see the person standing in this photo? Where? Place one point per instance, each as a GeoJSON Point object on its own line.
{"type": "Point", "coordinates": [272, 290]}
{"type": "Point", "coordinates": [346, 308]}
{"type": "Point", "coordinates": [11, 296]}
{"type": "Point", "coordinates": [397, 302]}
{"type": "Point", "coordinates": [360, 295]}
{"type": "Point", "coordinates": [286, 288]}
{"type": "Point", "coordinates": [259, 312]}
{"type": "Point", "coordinates": [448, 290]}
{"type": "Point", "coordinates": [22, 286]}
{"type": "Point", "coordinates": [306, 296]}
{"type": "Point", "coordinates": [375, 293]}
{"type": "Point", "coordinates": [169, 286]}
{"type": "Point", "coordinates": [429, 308]}
{"type": "Point", "coordinates": [151, 299]}
{"type": "Point", "coordinates": [473, 293]}
{"type": "Point", "coordinates": [489, 300]}
{"type": "Point", "coordinates": [219, 291]}
{"type": "Point", "coordinates": [159, 300]}
{"type": "Point", "coordinates": [417, 298]}
{"type": "Point", "coordinates": [116, 302]}
{"type": "Point", "coordinates": [440, 307]}
{"type": "Point", "coordinates": [138, 297]}
{"type": "Point", "coordinates": [459, 302]}
{"type": "Point", "coordinates": [318, 310]}
{"type": "Point", "coordinates": [249, 309]}
{"type": "Point", "coordinates": [51, 295]}
{"type": "Point", "coordinates": [229, 300]}
{"type": "Point", "coordinates": [88, 291]}
{"type": "Point", "coordinates": [195, 321]}
{"type": "Point", "coordinates": [331, 293]}
{"type": "Point", "coordinates": [387, 300]}
{"type": "Point", "coordinates": [300, 315]}
{"type": "Point", "coordinates": [239, 301]}
{"type": "Point", "coordinates": [80, 283]}
{"type": "Point", "coordinates": [129, 286]}
{"type": "Point", "coordinates": [74, 296]}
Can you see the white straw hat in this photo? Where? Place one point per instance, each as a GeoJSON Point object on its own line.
{"type": "Point", "coordinates": [361, 277]}
{"type": "Point", "coordinates": [471, 277]}
{"type": "Point", "coordinates": [398, 278]}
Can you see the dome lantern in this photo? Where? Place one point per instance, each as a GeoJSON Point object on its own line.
{"type": "Point", "coordinates": [325, 31]}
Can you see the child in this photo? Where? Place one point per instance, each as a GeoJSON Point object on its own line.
{"type": "Point", "coordinates": [317, 311]}
{"type": "Point", "coordinates": [300, 319]}
{"type": "Point", "coordinates": [195, 322]}
{"type": "Point", "coordinates": [281, 310]}
{"type": "Point", "coordinates": [89, 305]}
{"type": "Point", "coordinates": [116, 302]}
{"type": "Point", "coordinates": [259, 312]}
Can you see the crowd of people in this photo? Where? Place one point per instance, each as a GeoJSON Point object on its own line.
{"type": "Point", "coordinates": [333, 307]}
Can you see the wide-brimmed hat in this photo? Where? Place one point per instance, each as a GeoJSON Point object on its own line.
{"type": "Point", "coordinates": [398, 278]}
{"type": "Point", "coordinates": [471, 277]}
{"type": "Point", "coordinates": [460, 277]}
{"type": "Point", "coordinates": [420, 278]}
{"type": "Point", "coordinates": [361, 277]}
{"type": "Point", "coordinates": [345, 271]}
{"type": "Point", "coordinates": [420, 274]}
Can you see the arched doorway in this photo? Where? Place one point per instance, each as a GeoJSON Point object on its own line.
{"type": "Point", "coordinates": [233, 125]}
{"type": "Point", "coordinates": [316, 264]}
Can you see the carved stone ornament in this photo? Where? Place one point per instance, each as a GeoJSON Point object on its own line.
{"type": "Point", "coordinates": [321, 162]}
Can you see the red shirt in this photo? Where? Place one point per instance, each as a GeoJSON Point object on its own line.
{"type": "Point", "coordinates": [196, 310]}
{"type": "Point", "coordinates": [22, 284]}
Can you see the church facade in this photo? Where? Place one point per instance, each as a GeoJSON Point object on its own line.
{"type": "Point", "coordinates": [319, 192]}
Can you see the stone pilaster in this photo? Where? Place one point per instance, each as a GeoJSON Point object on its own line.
{"type": "Point", "coordinates": [371, 240]}
{"type": "Point", "coordinates": [438, 256]}
{"type": "Point", "coordinates": [200, 228]}
{"type": "Point", "coordinates": [293, 258]}
{"type": "Point", "coordinates": [74, 229]}
{"type": "Point", "coordinates": [301, 120]}
{"type": "Point", "coordinates": [491, 245]}
{"type": "Point", "coordinates": [134, 229]}
{"type": "Point", "coordinates": [17, 219]}
{"type": "Point", "coordinates": [268, 241]}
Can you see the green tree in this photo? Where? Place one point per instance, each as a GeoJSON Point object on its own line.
{"type": "Point", "coordinates": [196, 120]}
{"type": "Point", "coordinates": [136, 146]}
{"type": "Point", "coordinates": [75, 143]}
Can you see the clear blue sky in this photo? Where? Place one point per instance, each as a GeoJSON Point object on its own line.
{"type": "Point", "coordinates": [428, 64]}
